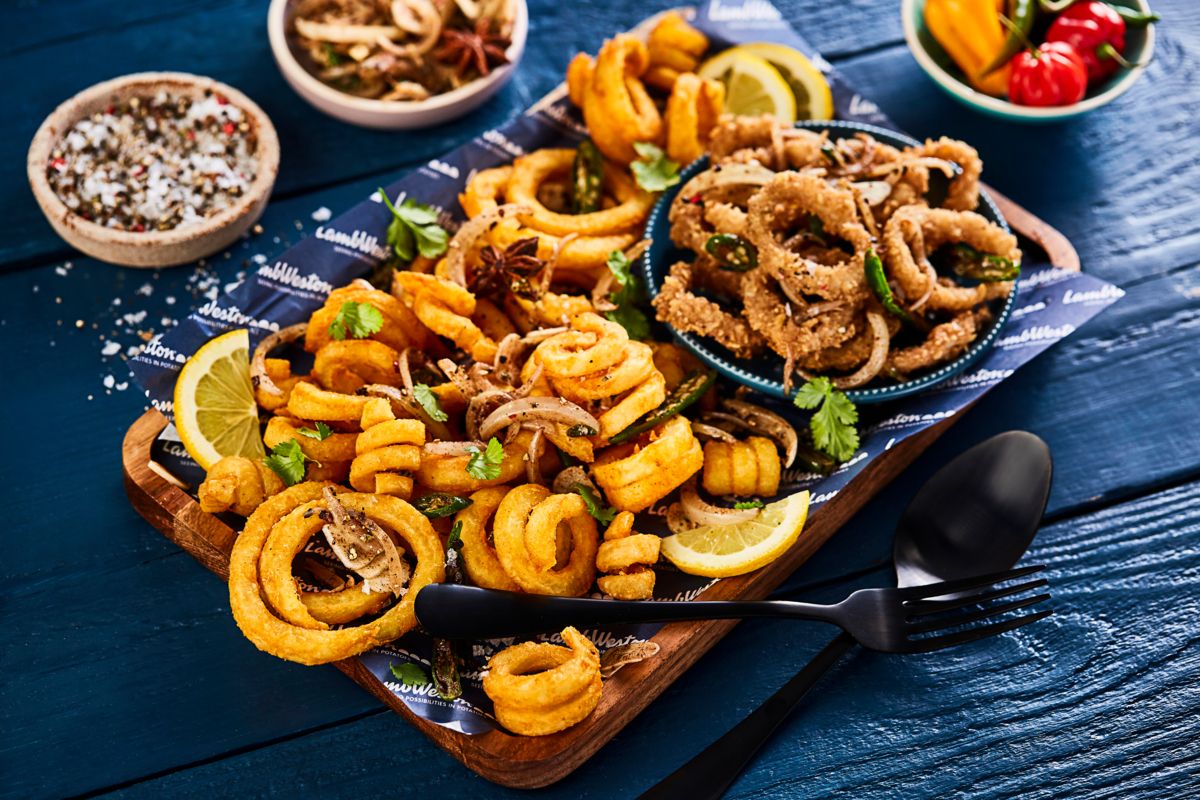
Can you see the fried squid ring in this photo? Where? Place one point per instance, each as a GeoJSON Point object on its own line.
{"type": "Point", "coordinates": [314, 403]}
{"type": "Point", "coordinates": [344, 605]}
{"type": "Point", "coordinates": [237, 484]}
{"type": "Point", "coordinates": [334, 447]}
{"type": "Point", "coordinates": [539, 688]}
{"type": "Point", "coordinates": [945, 342]}
{"type": "Point", "coordinates": [963, 194]}
{"type": "Point", "coordinates": [306, 646]}
{"type": "Point", "coordinates": [448, 473]}
{"type": "Point", "coordinates": [914, 232]}
{"type": "Point", "coordinates": [678, 306]}
{"type": "Point", "coordinates": [479, 555]}
{"type": "Point", "coordinates": [445, 308]}
{"type": "Point", "coordinates": [796, 328]}
{"type": "Point", "coordinates": [530, 171]}
{"type": "Point", "coordinates": [525, 531]}
{"type": "Point", "coordinates": [634, 477]}
{"type": "Point", "coordinates": [616, 107]}
{"type": "Point", "coordinates": [345, 366]}
{"type": "Point", "coordinates": [628, 558]}
{"type": "Point", "coordinates": [741, 469]}
{"type": "Point", "coordinates": [400, 328]}
{"type": "Point", "coordinates": [692, 112]}
{"type": "Point", "coordinates": [386, 452]}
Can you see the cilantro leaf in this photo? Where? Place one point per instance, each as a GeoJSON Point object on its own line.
{"type": "Point", "coordinates": [603, 514]}
{"type": "Point", "coordinates": [429, 402]}
{"type": "Point", "coordinates": [414, 229]}
{"type": "Point", "coordinates": [653, 171]}
{"type": "Point", "coordinates": [832, 424]}
{"type": "Point", "coordinates": [287, 461]}
{"type": "Point", "coordinates": [409, 674]}
{"type": "Point", "coordinates": [484, 464]}
{"type": "Point", "coordinates": [322, 432]}
{"type": "Point", "coordinates": [357, 320]}
{"type": "Point", "coordinates": [747, 504]}
{"type": "Point", "coordinates": [626, 297]}
{"type": "Point", "coordinates": [454, 540]}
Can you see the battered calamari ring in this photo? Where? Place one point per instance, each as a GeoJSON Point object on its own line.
{"type": "Point", "coordinates": [314, 403]}
{"type": "Point", "coordinates": [692, 112]}
{"type": "Point", "coordinates": [633, 477]}
{"type": "Point", "coordinates": [539, 688]}
{"type": "Point", "coordinates": [714, 201]}
{"type": "Point", "coordinates": [448, 473]}
{"type": "Point", "coordinates": [914, 232]}
{"type": "Point", "coordinates": [237, 484]}
{"type": "Point", "coordinates": [334, 447]}
{"type": "Point", "coordinates": [963, 194]}
{"type": "Point", "coordinates": [945, 342]}
{"type": "Point", "coordinates": [741, 469]}
{"type": "Point", "coordinates": [678, 306]}
{"type": "Point", "coordinates": [616, 107]}
{"type": "Point", "coordinates": [479, 556]}
{"type": "Point", "coordinates": [628, 558]}
{"type": "Point", "coordinates": [400, 328]}
{"type": "Point", "coordinates": [345, 366]}
{"type": "Point", "coordinates": [386, 451]}
{"type": "Point", "coordinates": [526, 535]}
{"type": "Point", "coordinates": [795, 328]}
{"type": "Point", "coordinates": [306, 646]}
{"type": "Point", "coordinates": [529, 172]}
{"type": "Point", "coordinates": [344, 605]}
{"type": "Point", "coordinates": [596, 361]}
{"type": "Point", "coordinates": [446, 308]}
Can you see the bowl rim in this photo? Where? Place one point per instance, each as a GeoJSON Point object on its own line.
{"type": "Point", "coordinates": [1005, 108]}
{"type": "Point", "coordinates": [72, 110]}
{"type": "Point", "coordinates": [774, 387]}
{"type": "Point", "coordinates": [277, 15]}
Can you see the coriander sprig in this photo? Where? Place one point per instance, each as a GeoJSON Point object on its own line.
{"type": "Point", "coordinates": [653, 171]}
{"type": "Point", "coordinates": [414, 229]}
{"type": "Point", "coordinates": [485, 464]}
{"type": "Point", "coordinates": [833, 420]}
{"type": "Point", "coordinates": [287, 461]}
{"type": "Point", "coordinates": [626, 297]}
{"type": "Point", "coordinates": [356, 320]}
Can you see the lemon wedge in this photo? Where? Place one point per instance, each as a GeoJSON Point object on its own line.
{"type": "Point", "coordinates": [814, 100]}
{"type": "Point", "coordinates": [752, 85]}
{"type": "Point", "coordinates": [215, 412]}
{"type": "Point", "coordinates": [720, 551]}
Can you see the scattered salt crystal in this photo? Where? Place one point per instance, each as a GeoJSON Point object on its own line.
{"type": "Point", "coordinates": [35, 288]}
{"type": "Point", "coordinates": [259, 258]}
{"type": "Point", "coordinates": [322, 214]}
{"type": "Point", "coordinates": [167, 322]}
{"type": "Point", "coordinates": [61, 271]}
{"type": "Point", "coordinates": [109, 380]}
{"type": "Point", "coordinates": [122, 386]}
{"type": "Point", "coordinates": [145, 290]}
{"type": "Point", "coordinates": [229, 287]}
{"type": "Point", "coordinates": [211, 294]}
{"type": "Point", "coordinates": [116, 301]}
{"type": "Point", "coordinates": [135, 317]}
{"type": "Point", "coordinates": [170, 299]}
{"type": "Point", "coordinates": [110, 349]}
{"type": "Point", "coordinates": [133, 350]}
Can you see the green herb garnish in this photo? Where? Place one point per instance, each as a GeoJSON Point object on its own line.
{"type": "Point", "coordinates": [322, 432]}
{"type": "Point", "coordinates": [287, 461]}
{"type": "Point", "coordinates": [484, 464]}
{"type": "Point", "coordinates": [626, 297]}
{"type": "Point", "coordinates": [603, 514]}
{"type": "Point", "coordinates": [332, 57]}
{"type": "Point", "coordinates": [414, 229]}
{"type": "Point", "coordinates": [356, 320]}
{"type": "Point", "coordinates": [833, 420]}
{"type": "Point", "coordinates": [653, 171]}
{"type": "Point", "coordinates": [441, 504]}
{"type": "Point", "coordinates": [429, 402]}
{"type": "Point", "coordinates": [409, 674]}
{"type": "Point", "coordinates": [743, 505]}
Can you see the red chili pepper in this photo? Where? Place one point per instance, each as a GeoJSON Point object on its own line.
{"type": "Point", "coordinates": [222, 100]}
{"type": "Point", "coordinates": [1051, 75]}
{"type": "Point", "coordinates": [1096, 32]}
{"type": "Point", "coordinates": [58, 163]}
{"type": "Point", "coordinates": [228, 128]}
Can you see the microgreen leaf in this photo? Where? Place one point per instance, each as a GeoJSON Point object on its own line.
{"type": "Point", "coordinates": [287, 461]}
{"type": "Point", "coordinates": [409, 674]}
{"type": "Point", "coordinates": [653, 171]}
{"type": "Point", "coordinates": [429, 402]}
{"type": "Point", "coordinates": [833, 420]}
{"type": "Point", "coordinates": [484, 464]}
{"type": "Point", "coordinates": [357, 320]}
{"type": "Point", "coordinates": [322, 432]}
{"type": "Point", "coordinates": [603, 514]}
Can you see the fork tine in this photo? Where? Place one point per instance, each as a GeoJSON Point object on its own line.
{"type": "Point", "coordinates": [942, 642]}
{"type": "Point", "coordinates": [966, 584]}
{"type": "Point", "coordinates": [918, 608]}
{"type": "Point", "coordinates": [975, 616]}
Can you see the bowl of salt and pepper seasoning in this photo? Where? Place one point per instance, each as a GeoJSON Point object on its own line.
{"type": "Point", "coordinates": [154, 169]}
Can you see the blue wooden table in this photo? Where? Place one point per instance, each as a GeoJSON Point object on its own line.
{"type": "Point", "coordinates": [123, 673]}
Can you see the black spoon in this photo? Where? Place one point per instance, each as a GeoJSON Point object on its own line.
{"type": "Point", "coordinates": [976, 515]}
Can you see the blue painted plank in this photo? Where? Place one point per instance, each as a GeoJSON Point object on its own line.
{"type": "Point", "coordinates": [1097, 701]}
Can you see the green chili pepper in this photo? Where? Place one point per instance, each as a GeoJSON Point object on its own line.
{"type": "Point", "coordinates": [581, 430]}
{"type": "Point", "coordinates": [689, 390]}
{"type": "Point", "coordinates": [1134, 18]}
{"type": "Point", "coordinates": [1054, 6]}
{"type": "Point", "coordinates": [441, 504]}
{"type": "Point", "coordinates": [967, 262]}
{"type": "Point", "coordinates": [1022, 14]}
{"type": "Point", "coordinates": [732, 252]}
{"type": "Point", "coordinates": [877, 280]}
{"type": "Point", "coordinates": [587, 178]}
{"type": "Point", "coordinates": [811, 460]}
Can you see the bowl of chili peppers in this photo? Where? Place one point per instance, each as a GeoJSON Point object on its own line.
{"type": "Point", "coordinates": [1031, 60]}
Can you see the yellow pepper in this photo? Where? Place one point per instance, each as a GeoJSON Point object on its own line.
{"type": "Point", "coordinates": [970, 32]}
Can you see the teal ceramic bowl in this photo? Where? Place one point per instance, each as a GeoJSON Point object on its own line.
{"type": "Point", "coordinates": [765, 373]}
{"type": "Point", "coordinates": [1139, 46]}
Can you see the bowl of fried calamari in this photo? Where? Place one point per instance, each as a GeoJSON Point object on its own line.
{"type": "Point", "coordinates": [832, 249]}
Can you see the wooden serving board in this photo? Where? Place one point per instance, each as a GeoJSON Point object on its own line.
{"type": "Point", "coordinates": [531, 762]}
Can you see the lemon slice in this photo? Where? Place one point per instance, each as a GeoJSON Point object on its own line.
{"type": "Point", "coordinates": [752, 86]}
{"type": "Point", "coordinates": [814, 100]}
{"type": "Point", "coordinates": [215, 412]}
{"type": "Point", "coordinates": [720, 551]}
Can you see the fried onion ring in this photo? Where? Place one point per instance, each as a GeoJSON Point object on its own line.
{"type": "Point", "coordinates": [616, 107]}
{"type": "Point", "coordinates": [530, 171]}
{"type": "Point", "coordinates": [692, 112]}
{"type": "Point", "coordinates": [539, 688]}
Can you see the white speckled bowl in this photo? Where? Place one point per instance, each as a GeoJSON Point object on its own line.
{"type": "Point", "coordinates": [152, 248]}
{"type": "Point", "coordinates": [388, 114]}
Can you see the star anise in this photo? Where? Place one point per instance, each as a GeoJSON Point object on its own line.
{"type": "Point", "coordinates": [480, 49]}
{"type": "Point", "coordinates": [508, 270]}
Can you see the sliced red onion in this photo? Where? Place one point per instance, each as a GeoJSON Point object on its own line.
{"type": "Point", "coordinates": [704, 513]}
{"type": "Point", "coordinates": [879, 351]}
{"type": "Point", "coordinates": [258, 364]}
{"type": "Point", "coordinates": [551, 409]}
{"type": "Point", "coordinates": [444, 448]}
{"type": "Point", "coordinates": [566, 480]}
{"type": "Point", "coordinates": [874, 192]}
{"type": "Point", "coordinates": [760, 420]}
{"type": "Point", "coordinates": [703, 431]}
{"type": "Point", "coordinates": [533, 457]}
{"type": "Point", "coordinates": [480, 406]}
{"type": "Point", "coordinates": [405, 372]}
{"type": "Point", "coordinates": [457, 376]}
